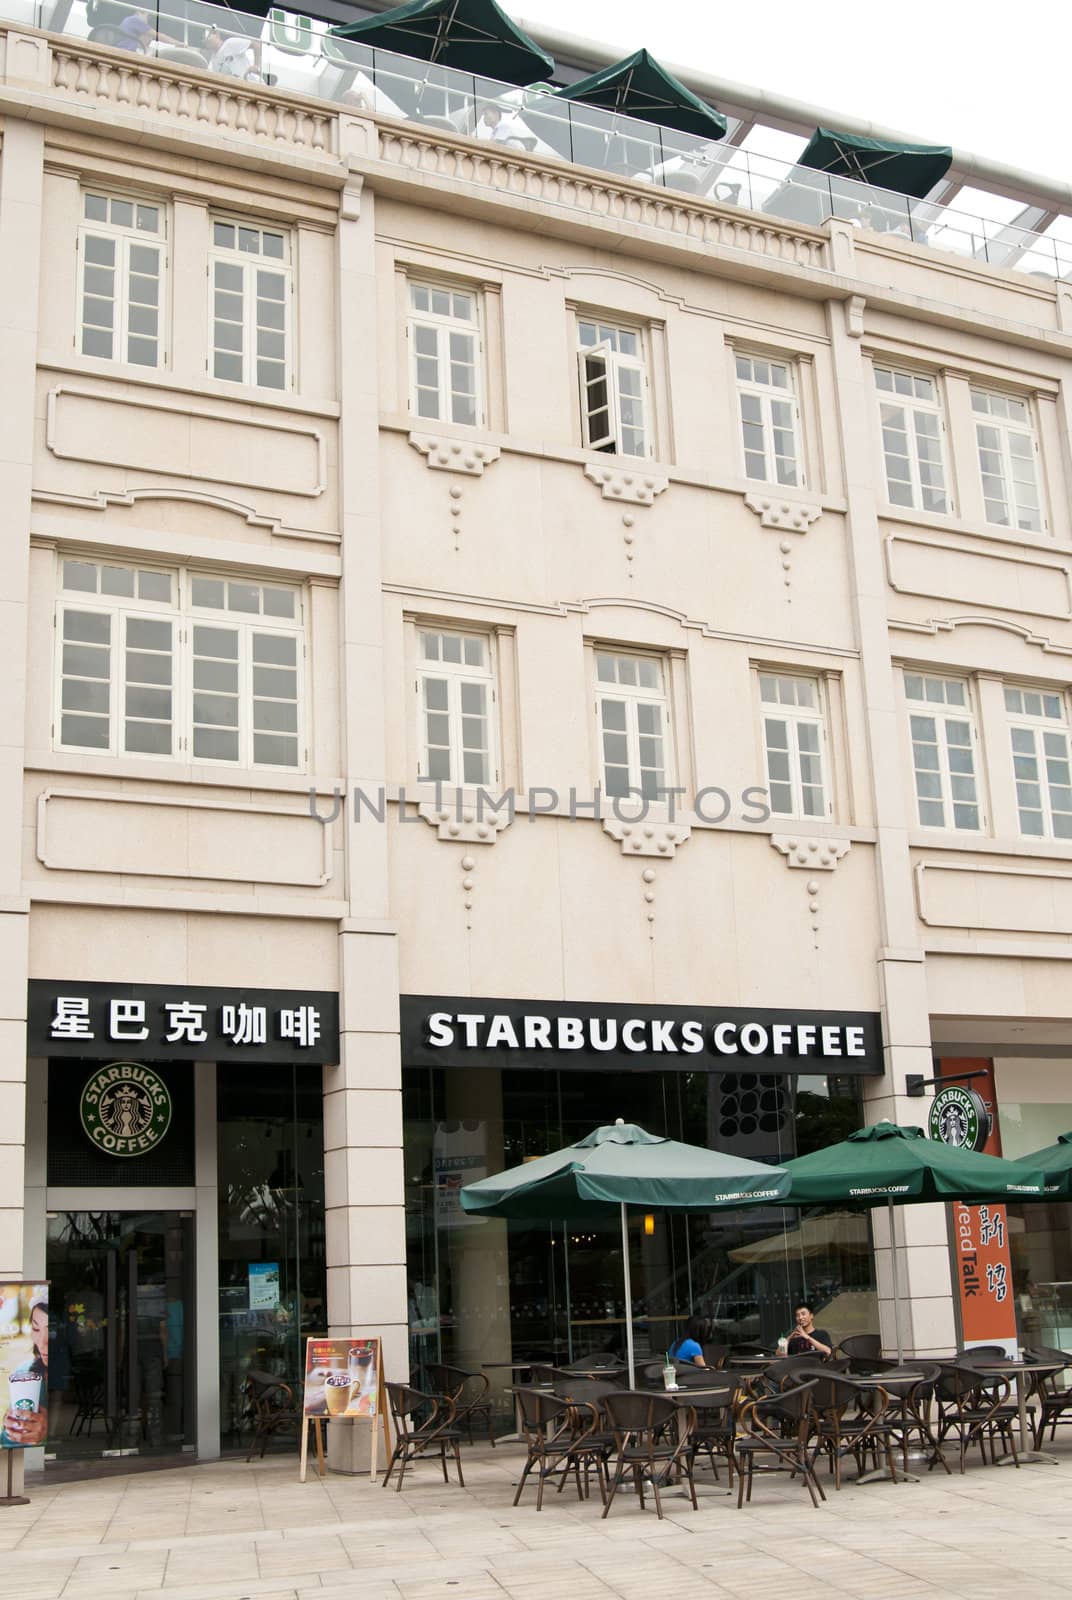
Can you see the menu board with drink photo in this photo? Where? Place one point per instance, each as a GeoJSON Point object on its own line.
{"type": "Point", "coordinates": [343, 1383]}
{"type": "Point", "coordinates": [24, 1358]}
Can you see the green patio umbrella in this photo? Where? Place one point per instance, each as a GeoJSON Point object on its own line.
{"type": "Point", "coordinates": [624, 1166]}
{"type": "Point", "coordinates": [1055, 1164]}
{"type": "Point", "coordinates": [639, 87]}
{"type": "Point", "coordinates": [911, 169]}
{"type": "Point", "coordinates": [901, 1166]}
{"type": "Point", "coordinates": [471, 35]}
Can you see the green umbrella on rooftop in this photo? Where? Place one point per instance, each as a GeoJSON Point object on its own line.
{"type": "Point", "coordinates": [1055, 1164]}
{"type": "Point", "coordinates": [639, 87]}
{"type": "Point", "coordinates": [910, 169]}
{"type": "Point", "coordinates": [900, 1166]}
{"type": "Point", "coordinates": [469, 35]}
{"type": "Point", "coordinates": [620, 1166]}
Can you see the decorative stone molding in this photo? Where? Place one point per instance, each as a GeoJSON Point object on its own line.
{"type": "Point", "coordinates": [816, 854]}
{"type": "Point", "coordinates": [207, 106]}
{"type": "Point", "coordinates": [791, 516]}
{"type": "Point", "coordinates": [464, 825]}
{"type": "Point", "coordinates": [855, 306]}
{"type": "Point", "coordinates": [526, 179]}
{"type": "Point", "coordinates": [621, 483]}
{"type": "Point", "coordinates": [648, 838]}
{"type": "Point", "coordinates": [454, 455]}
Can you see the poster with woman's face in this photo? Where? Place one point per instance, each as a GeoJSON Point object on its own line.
{"type": "Point", "coordinates": [23, 1364]}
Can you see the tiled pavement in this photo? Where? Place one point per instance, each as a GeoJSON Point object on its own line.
{"type": "Point", "coordinates": [228, 1531]}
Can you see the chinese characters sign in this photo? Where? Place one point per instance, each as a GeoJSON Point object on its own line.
{"type": "Point", "coordinates": [99, 1021]}
{"type": "Point", "coordinates": [983, 1261]}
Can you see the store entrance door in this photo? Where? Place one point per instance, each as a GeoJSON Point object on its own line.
{"type": "Point", "coordinates": [121, 1371]}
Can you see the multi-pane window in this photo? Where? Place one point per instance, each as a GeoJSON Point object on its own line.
{"type": "Point", "coordinates": [250, 275]}
{"type": "Point", "coordinates": [614, 389]}
{"type": "Point", "coordinates": [1007, 450]}
{"type": "Point", "coordinates": [634, 723]}
{"type": "Point", "coordinates": [911, 418]}
{"type": "Point", "coordinates": [1038, 728]}
{"type": "Point", "coordinates": [769, 420]}
{"type": "Point", "coordinates": [793, 739]}
{"type": "Point", "coordinates": [121, 244]}
{"type": "Point", "coordinates": [444, 343]}
{"type": "Point", "coordinates": [167, 663]}
{"type": "Point", "coordinates": [943, 751]}
{"type": "Point", "coordinates": [455, 696]}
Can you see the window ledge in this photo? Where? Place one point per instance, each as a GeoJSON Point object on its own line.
{"type": "Point", "coordinates": [951, 523]}
{"type": "Point", "coordinates": [164, 378]}
{"type": "Point", "coordinates": [977, 844]}
{"type": "Point", "coordinates": [178, 772]}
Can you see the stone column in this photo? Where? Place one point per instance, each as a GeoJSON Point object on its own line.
{"type": "Point", "coordinates": [363, 1173]}
{"type": "Point", "coordinates": [925, 1282]}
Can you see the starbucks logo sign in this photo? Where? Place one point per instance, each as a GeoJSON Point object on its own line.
{"type": "Point", "coordinates": [959, 1117]}
{"type": "Point", "coordinates": [125, 1109]}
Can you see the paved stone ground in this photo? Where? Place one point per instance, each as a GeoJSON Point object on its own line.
{"type": "Point", "coordinates": [225, 1531]}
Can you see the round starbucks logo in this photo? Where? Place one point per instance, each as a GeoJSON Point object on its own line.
{"type": "Point", "coordinates": [125, 1109]}
{"type": "Point", "coordinates": [958, 1117]}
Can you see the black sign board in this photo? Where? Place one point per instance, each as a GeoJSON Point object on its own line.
{"type": "Point", "coordinates": [174, 1022]}
{"type": "Point", "coordinates": [453, 1030]}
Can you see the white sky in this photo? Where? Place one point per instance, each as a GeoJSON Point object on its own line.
{"type": "Point", "coordinates": [989, 77]}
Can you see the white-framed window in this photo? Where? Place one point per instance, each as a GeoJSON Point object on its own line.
{"type": "Point", "coordinates": [170, 663]}
{"type": "Point", "coordinates": [614, 388]}
{"type": "Point", "coordinates": [1042, 768]}
{"type": "Point", "coordinates": [944, 741]}
{"type": "Point", "coordinates": [445, 354]}
{"type": "Point", "coordinates": [633, 708]}
{"type": "Point", "coordinates": [910, 415]}
{"type": "Point", "coordinates": [122, 250]}
{"type": "Point", "coordinates": [252, 291]}
{"type": "Point", "coordinates": [770, 420]}
{"type": "Point", "coordinates": [794, 739]}
{"type": "Point", "coordinates": [456, 698]}
{"type": "Point", "coordinates": [1005, 438]}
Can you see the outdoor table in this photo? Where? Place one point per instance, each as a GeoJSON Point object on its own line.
{"type": "Point", "coordinates": [691, 1395]}
{"type": "Point", "coordinates": [512, 1388]}
{"type": "Point", "coordinates": [1019, 1370]}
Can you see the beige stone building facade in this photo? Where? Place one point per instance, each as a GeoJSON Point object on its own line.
{"type": "Point", "coordinates": [352, 466]}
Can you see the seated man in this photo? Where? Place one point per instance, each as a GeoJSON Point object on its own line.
{"type": "Point", "coordinates": [238, 56]}
{"type": "Point", "coordinates": [137, 33]}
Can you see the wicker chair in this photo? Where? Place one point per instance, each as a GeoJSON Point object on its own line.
{"type": "Point", "coordinates": [467, 1391]}
{"type": "Point", "coordinates": [644, 1426]}
{"type": "Point", "coordinates": [271, 1404]}
{"type": "Point", "coordinates": [975, 1409]}
{"type": "Point", "coordinates": [423, 1424]}
{"type": "Point", "coordinates": [1053, 1406]}
{"type": "Point", "coordinates": [779, 1427]}
{"type": "Point", "coordinates": [561, 1436]}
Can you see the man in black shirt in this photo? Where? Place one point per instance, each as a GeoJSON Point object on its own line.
{"type": "Point", "coordinates": [806, 1339]}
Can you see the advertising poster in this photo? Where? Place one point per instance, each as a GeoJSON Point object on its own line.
{"type": "Point", "coordinates": [981, 1240]}
{"type": "Point", "coordinates": [24, 1364]}
{"type": "Point", "coordinates": [263, 1285]}
{"type": "Point", "coordinates": [460, 1156]}
{"type": "Point", "coordinates": [342, 1377]}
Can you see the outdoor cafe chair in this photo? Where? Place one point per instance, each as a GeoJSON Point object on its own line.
{"type": "Point", "coordinates": [852, 1418]}
{"type": "Point", "coordinates": [715, 1354]}
{"type": "Point", "coordinates": [974, 1408]}
{"type": "Point", "coordinates": [423, 1424]}
{"type": "Point", "coordinates": [862, 1347]}
{"type": "Point", "coordinates": [271, 1405]}
{"type": "Point", "coordinates": [777, 1427]}
{"type": "Point", "coordinates": [651, 1436]}
{"type": "Point", "coordinates": [1053, 1405]}
{"type": "Point", "coordinates": [916, 1401]}
{"type": "Point", "coordinates": [467, 1391]}
{"type": "Point", "coordinates": [561, 1437]}
{"type": "Point", "coordinates": [716, 1420]}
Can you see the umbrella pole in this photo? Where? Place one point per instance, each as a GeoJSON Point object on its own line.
{"type": "Point", "coordinates": [628, 1300]}
{"type": "Point", "coordinates": [896, 1283]}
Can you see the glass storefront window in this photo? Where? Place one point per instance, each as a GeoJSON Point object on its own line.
{"type": "Point", "coordinates": [483, 1291]}
{"type": "Point", "coordinates": [271, 1199]}
{"type": "Point", "coordinates": [1040, 1236]}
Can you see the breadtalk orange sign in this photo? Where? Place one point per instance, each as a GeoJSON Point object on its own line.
{"type": "Point", "coordinates": [981, 1240]}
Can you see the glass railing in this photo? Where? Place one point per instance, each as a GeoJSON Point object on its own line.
{"type": "Point", "coordinates": [295, 53]}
